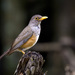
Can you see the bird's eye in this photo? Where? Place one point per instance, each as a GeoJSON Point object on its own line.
{"type": "Point", "coordinates": [36, 18]}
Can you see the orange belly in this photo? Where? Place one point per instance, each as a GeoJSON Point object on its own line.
{"type": "Point", "coordinates": [30, 42]}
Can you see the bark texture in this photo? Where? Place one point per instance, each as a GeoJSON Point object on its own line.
{"type": "Point", "coordinates": [30, 64]}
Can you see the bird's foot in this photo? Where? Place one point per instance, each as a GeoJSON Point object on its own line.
{"type": "Point", "coordinates": [22, 51]}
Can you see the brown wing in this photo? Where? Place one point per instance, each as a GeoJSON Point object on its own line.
{"type": "Point", "coordinates": [22, 38]}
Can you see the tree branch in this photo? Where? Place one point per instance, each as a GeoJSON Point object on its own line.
{"type": "Point", "coordinates": [45, 47]}
{"type": "Point", "coordinates": [30, 64]}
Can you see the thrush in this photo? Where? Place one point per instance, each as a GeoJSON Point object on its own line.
{"type": "Point", "coordinates": [28, 37]}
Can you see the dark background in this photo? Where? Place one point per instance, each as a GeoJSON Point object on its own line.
{"type": "Point", "coordinates": [59, 27]}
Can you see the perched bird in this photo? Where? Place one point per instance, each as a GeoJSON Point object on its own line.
{"type": "Point", "coordinates": [28, 37]}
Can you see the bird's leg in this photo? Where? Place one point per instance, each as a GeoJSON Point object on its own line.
{"type": "Point", "coordinates": [21, 51]}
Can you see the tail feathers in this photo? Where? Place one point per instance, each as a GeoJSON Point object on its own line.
{"type": "Point", "coordinates": [10, 52]}
{"type": "Point", "coordinates": [5, 53]}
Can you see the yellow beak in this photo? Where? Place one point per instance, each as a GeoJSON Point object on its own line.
{"type": "Point", "coordinates": [44, 17]}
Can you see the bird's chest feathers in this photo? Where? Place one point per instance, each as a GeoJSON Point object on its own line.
{"type": "Point", "coordinates": [36, 29]}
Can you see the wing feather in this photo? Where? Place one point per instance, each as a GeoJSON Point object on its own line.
{"type": "Point", "coordinates": [22, 38]}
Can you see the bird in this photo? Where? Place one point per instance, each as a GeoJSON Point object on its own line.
{"type": "Point", "coordinates": [28, 37]}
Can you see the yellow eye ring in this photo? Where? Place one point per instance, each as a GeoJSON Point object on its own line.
{"type": "Point", "coordinates": [36, 18]}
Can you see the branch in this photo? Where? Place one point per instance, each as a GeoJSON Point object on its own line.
{"type": "Point", "coordinates": [45, 47]}
{"type": "Point", "coordinates": [55, 46]}
{"type": "Point", "coordinates": [30, 64]}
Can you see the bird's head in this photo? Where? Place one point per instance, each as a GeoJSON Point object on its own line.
{"type": "Point", "coordinates": [36, 19]}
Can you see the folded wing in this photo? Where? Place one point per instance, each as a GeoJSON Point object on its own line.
{"type": "Point", "coordinates": [22, 38]}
